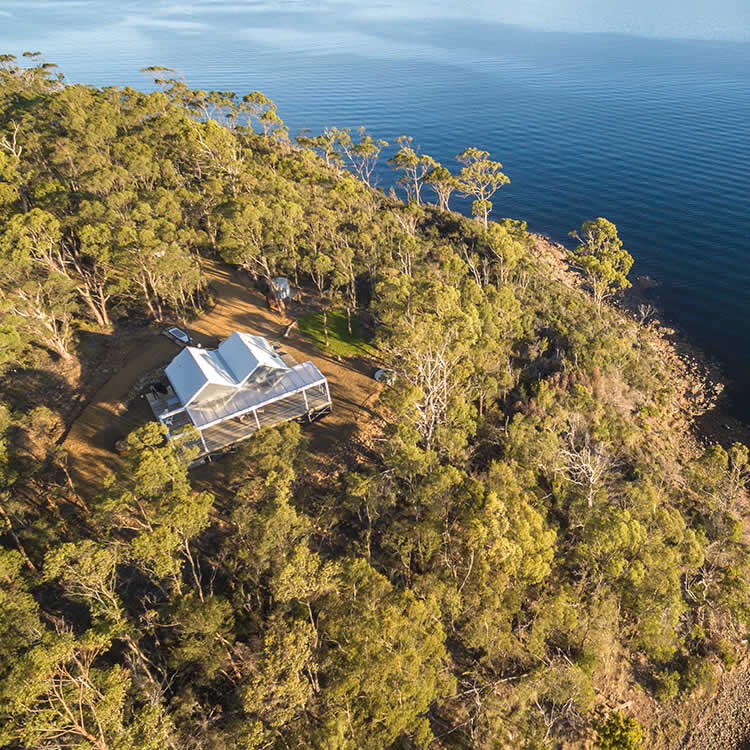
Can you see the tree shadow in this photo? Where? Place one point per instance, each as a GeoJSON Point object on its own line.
{"type": "Point", "coordinates": [101, 354]}
{"type": "Point", "coordinates": [25, 388]}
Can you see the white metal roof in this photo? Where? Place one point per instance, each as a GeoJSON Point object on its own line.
{"type": "Point", "coordinates": [226, 368]}
{"type": "Point", "coordinates": [243, 353]}
{"type": "Point", "coordinates": [189, 372]}
{"type": "Point", "coordinates": [213, 367]}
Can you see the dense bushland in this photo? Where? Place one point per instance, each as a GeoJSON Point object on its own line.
{"type": "Point", "coordinates": [529, 544]}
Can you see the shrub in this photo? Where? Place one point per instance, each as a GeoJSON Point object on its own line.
{"type": "Point", "coordinates": [619, 732]}
{"type": "Point", "coordinates": [666, 685]}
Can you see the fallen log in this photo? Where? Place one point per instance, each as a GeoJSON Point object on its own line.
{"type": "Point", "coordinates": [289, 328]}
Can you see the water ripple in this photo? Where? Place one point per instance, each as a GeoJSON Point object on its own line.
{"type": "Point", "coordinates": [652, 134]}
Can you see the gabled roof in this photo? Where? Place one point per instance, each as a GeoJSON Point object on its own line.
{"type": "Point", "coordinates": [243, 353]}
{"type": "Point", "coordinates": [192, 370]}
{"type": "Point", "coordinates": [224, 369]}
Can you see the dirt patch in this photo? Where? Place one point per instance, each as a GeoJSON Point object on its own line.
{"type": "Point", "coordinates": [111, 415]}
{"type": "Point", "coordinates": [116, 409]}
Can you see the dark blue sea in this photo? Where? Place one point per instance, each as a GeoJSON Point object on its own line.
{"type": "Point", "coordinates": [639, 112]}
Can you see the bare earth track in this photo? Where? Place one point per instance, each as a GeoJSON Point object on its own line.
{"type": "Point", "coordinates": [113, 413]}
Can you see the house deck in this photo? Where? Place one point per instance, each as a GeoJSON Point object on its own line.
{"type": "Point", "coordinates": [232, 431]}
{"type": "Point", "coordinates": [231, 415]}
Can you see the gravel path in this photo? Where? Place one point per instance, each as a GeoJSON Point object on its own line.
{"type": "Point", "coordinates": [725, 723]}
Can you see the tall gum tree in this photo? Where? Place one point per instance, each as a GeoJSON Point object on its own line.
{"type": "Point", "coordinates": [443, 183]}
{"type": "Point", "coordinates": [415, 167]}
{"type": "Point", "coordinates": [601, 256]}
{"type": "Point", "coordinates": [83, 257]}
{"type": "Point", "coordinates": [480, 178]}
{"type": "Point", "coordinates": [362, 155]}
{"type": "Point", "coordinates": [38, 305]}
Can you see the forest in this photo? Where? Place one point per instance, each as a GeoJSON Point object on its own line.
{"type": "Point", "coordinates": [530, 552]}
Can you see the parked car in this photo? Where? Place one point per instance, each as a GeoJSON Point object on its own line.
{"type": "Point", "coordinates": [178, 335]}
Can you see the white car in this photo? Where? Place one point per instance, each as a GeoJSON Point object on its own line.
{"type": "Point", "coordinates": [178, 335]}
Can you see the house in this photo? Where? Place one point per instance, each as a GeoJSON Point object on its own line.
{"type": "Point", "coordinates": [230, 392]}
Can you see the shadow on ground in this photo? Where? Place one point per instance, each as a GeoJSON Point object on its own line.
{"type": "Point", "coordinates": [116, 410]}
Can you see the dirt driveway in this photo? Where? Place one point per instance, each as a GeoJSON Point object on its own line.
{"type": "Point", "coordinates": [109, 416]}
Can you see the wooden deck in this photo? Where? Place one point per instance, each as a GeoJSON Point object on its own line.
{"type": "Point", "coordinates": [296, 406]}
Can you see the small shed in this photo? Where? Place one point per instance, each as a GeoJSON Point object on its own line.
{"type": "Point", "coordinates": [281, 288]}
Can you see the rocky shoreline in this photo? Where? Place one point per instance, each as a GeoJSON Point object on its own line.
{"type": "Point", "coordinates": [703, 410]}
{"type": "Point", "coordinates": [701, 387]}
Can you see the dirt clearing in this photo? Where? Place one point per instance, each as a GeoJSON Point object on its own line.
{"type": "Point", "coordinates": [113, 412]}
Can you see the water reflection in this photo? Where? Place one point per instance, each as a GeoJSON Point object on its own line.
{"type": "Point", "coordinates": [650, 133]}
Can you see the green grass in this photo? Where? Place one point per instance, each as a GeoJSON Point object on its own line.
{"type": "Point", "coordinates": [339, 341]}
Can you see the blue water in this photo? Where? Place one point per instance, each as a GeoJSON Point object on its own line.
{"type": "Point", "coordinates": [648, 127]}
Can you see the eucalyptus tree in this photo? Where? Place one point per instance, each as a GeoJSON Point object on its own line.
{"type": "Point", "coordinates": [63, 692]}
{"type": "Point", "coordinates": [20, 623]}
{"type": "Point", "coordinates": [325, 145]}
{"type": "Point", "coordinates": [363, 154]}
{"type": "Point", "coordinates": [266, 526]}
{"type": "Point", "coordinates": [35, 240]}
{"type": "Point", "coordinates": [601, 256]}
{"type": "Point", "coordinates": [28, 80]}
{"type": "Point", "coordinates": [382, 662]}
{"type": "Point", "coordinates": [77, 160]}
{"type": "Point", "coordinates": [85, 257]}
{"type": "Point", "coordinates": [348, 660]}
{"type": "Point", "coordinates": [219, 153]}
{"type": "Point", "coordinates": [243, 237]}
{"type": "Point", "coordinates": [262, 111]}
{"type": "Point", "coordinates": [286, 231]}
{"type": "Point", "coordinates": [489, 540]}
{"type": "Point", "coordinates": [345, 259]}
{"type": "Point", "coordinates": [506, 245]}
{"type": "Point", "coordinates": [480, 178]}
{"type": "Point", "coordinates": [414, 165]}
{"type": "Point", "coordinates": [11, 182]}
{"type": "Point", "coordinates": [448, 340]}
{"type": "Point", "coordinates": [198, 104]}
{"type": "Point", "coordinates": [157, 246]}
{"type": "Point", "coordinates": [40, 306]}
{"type": "Point", "coordinates": [442, 182]}
{"type": "Point", "coordinates": [320, 268]}
{"type": "Point", "coordinates": [148, 507]}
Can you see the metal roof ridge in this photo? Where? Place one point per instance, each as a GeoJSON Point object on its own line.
{"type": "Point", "coordinates": [199, 356]}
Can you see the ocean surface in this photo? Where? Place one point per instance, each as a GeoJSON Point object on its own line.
{"type": "Point", "coordinates": [640, 114]}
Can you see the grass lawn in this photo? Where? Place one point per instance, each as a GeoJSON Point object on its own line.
{"type": "Point", "coordinates": [340, 342]}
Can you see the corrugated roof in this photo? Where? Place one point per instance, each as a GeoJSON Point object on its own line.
{"type": "Point", "coordinates": [243, 353]}
{"type": "Point", "coordinates": [213, 367]}
{"type": "Point", "coordinates": [229, 366]}
{"type": "Point", "coordinates": [186, 375]}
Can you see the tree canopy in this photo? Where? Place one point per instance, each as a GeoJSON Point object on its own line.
{"type": "Point", "coordinates": [524, 547]}
{"type": "Point", "coordinates": [601, 256]}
